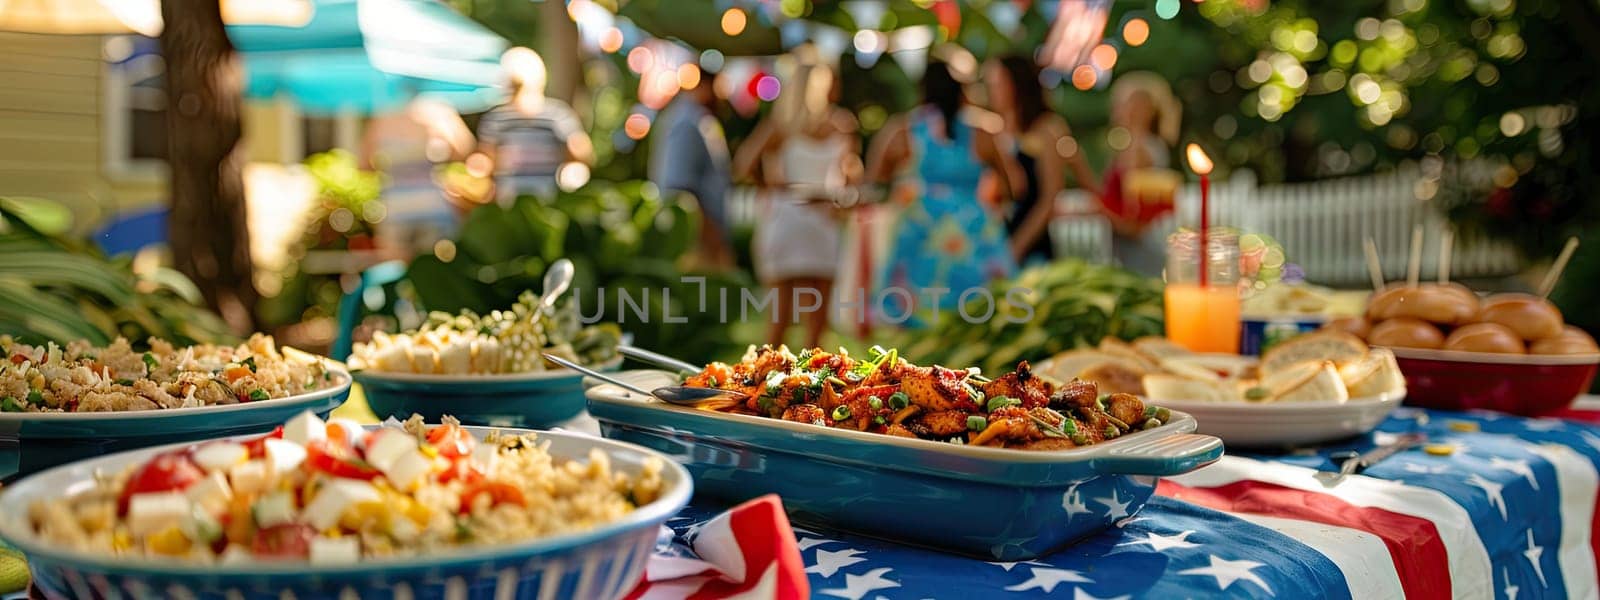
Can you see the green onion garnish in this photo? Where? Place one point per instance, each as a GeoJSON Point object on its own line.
{"type": "Point", "coordinates": [899, 400]}
{"type": "Point", "coordinates": [36, 397]}
{"type": "Point", "coordinates": [875, 402]}
{"type": "Point", "coordinates": [999, 402]}
{"type": "Point", "coordinates": [977, 423]}
{"type": "Point", "coordinates": [150, 361]}
{"type": "Point", "coordinates": [841, 412]}
{"type": "Point", "coordinates": [258, 395]}
{"type": "Point", "coordinates": [9, 404]}
{"type": "Point", "coordinates": [878, 420]}
{"type": "Point", "coordinates": [249, 362]}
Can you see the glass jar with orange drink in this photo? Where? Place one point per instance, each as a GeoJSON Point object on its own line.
{"type": "Point", "coordinates": [1203, 317]}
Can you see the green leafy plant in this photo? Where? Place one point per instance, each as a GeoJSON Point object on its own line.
{"type": "Point", "coordinates": [1075, 304]}
{"type": "Point", "coordinates": [623, 238]}
{"type": "Point", "coordinates": [53, 288]}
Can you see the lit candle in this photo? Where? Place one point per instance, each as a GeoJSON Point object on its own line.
{"type": "Point", "coordinates": [1201, 165]}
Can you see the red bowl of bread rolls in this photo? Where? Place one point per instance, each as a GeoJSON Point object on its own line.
{"type": "Point", "coordinates": [1511, 353]}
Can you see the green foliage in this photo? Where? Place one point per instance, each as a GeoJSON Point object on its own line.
{"type": "Point", "coordinates": [57, 289]}
{"type": "Point", "coordinates": [622, 238]}
{"type": "Point", "coordinates": [1075, 304]}
{"type": "Point", "coordinates": [344, 217]}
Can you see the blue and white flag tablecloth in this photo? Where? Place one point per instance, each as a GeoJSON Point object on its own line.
{"type": "Point", "coordinates": [1502, 507]}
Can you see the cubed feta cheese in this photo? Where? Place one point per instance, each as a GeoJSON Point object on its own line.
{"type": "Point", "coordinates": [335, 551]}
{"type": "Point", "coordinates": [200, 526]}
{"type": "Point", "coordinates": [406, 470]}
{"type": "Point", "coordinates": [149, 513]}
{"type": "Point", "coordinates": [334, 497]}
{"type": "Point", "coordinates": [219, 456]}
{"type": "Point", "coordinates": [284, 455]}
{"type": "Point", "coordinates": [275, 508]}
{"type": "Point", "coordinates": [249, 476]}
{"type": "Point", "coordinates": [388, 444]}
{"type": "Point", "coordinates": [211, 493]}
{"type": "Point", "coordinates": [305, 428]}
{"type": "Point", "coordinates": [484, 456]}
{"type": "Point", "coordinates": [236, 554]}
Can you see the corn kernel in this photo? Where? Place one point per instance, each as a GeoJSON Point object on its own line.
{"type": "Point", "coordinates": [1439, 449]}
{"type": "Point", "coordinates": [1463, 426]}
{"type": "Point", "coordinates": [169, 541]}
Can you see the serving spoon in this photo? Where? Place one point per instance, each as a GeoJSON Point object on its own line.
{"type": "Point", "coordinates": [681, 395]}
{"type": "Point", "coordinates": [660, 360]}
{"type": "Point", "coordinates": [556, 281]}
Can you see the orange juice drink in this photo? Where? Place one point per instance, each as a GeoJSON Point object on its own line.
{"type": "Point", "coordinates": [1203, 319]}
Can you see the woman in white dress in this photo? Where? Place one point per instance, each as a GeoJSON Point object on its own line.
{"type": "Point", "coordinates": [804, 155]}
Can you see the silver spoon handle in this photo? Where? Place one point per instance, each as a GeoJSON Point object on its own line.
{"type": "Point", "coordinates": [658, 359]}
{"type": "Point", "coordinates": [595, 374]}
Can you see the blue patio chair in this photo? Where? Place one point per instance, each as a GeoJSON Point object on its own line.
{"type": "Point", "coordinates": [133, 231]}
{"type": "Point", "coordinates": [378, 283]}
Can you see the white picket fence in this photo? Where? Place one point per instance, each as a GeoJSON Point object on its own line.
{"type": "Point", "coordinates": [1320, 224]}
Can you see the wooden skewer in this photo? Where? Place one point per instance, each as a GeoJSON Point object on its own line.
{"type": "Point", "coordinates": [1374, 268]}
{"type": "Point", "coordinates": [1560, 265]}
{"type": "Point", "coordinates": [1446, 245]}
{"type": "Point", "coordinates": [1414, 267]}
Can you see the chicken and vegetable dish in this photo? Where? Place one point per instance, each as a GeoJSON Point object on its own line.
{"type": "Point", "coordinates": [886, 394]}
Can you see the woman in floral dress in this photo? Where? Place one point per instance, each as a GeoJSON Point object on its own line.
{"type": "Point", "coordinates": [946, 239]}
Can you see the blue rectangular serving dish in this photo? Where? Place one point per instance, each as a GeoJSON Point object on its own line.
{"type": "Point", "coordinates": [993, 503]}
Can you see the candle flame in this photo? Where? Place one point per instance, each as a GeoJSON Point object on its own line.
{"type": "Point", "coordinates": [1199, 162]}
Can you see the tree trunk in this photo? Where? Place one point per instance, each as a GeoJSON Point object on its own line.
{"type": "Point", "coordinates": [206, 227]}
{"type": "Point", "coordinates": [559, 49]}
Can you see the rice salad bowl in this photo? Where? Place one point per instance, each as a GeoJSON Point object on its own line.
{"type": "Point", "coordinates": [324, 509]}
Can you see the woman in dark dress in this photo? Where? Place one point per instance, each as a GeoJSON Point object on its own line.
{"type": "Point", "coordinates": [1045, 150]}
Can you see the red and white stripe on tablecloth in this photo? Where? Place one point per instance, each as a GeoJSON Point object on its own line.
{"type": "Point", "coordinates": [1433, 549]}
{"type": "Point", "coordinates": [740, 558]}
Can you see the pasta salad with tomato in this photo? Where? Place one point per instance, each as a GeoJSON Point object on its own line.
{"type": "Point", "coordinates": [336, 493]}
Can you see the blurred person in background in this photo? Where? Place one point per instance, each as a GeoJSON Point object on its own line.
{"type": "Point", "coordinates": [1140, 183]}
{"type": "Point", "coordinates": [946, 237]}
{"type": "Point", "coordinates": [406, 145]}
{"type": "Point", "coordinates": [527, 139]}
{"type": "Point", "coordinates": [689, 155]}
{"type": "Point", "coordinates": [803, 157]}
{"type": "Point", "coordinates": [1038, 137]}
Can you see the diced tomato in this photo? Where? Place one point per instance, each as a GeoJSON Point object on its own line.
{"type": "Point", "coordinates": [258, 446]}
{"type": "Point", "coordinates": [339, 461]}
{"type": "Point", "coordinates": [452, 441]}
{"type": "Point", "coordinates": [462, 470]}
{"type": "Point", "coordinates": [499, 492]}
{"type": "Point", "coordinates": [164, 473]}
{"type": "Point", "coordinates": [286, 540]}
{"type": "Point", "coordinates": [235, 372]}
{"type": "Point", "coordinates": [17, 359]}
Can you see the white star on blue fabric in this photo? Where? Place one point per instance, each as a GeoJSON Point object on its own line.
{"type": "Point", "coordinates": [1533, 553]}
{"type": "Point", "coordinates": [1510, 589]}
{"type": "Point", "coordinates": [857, 586]}
{"type": "Point", "coordinates": [1227, 572]}
{"type": "Point", "coordinates": [1591, 439]}
{"type": "Point", "coordinates": [829, 562]}
{"type": "Point", "coordinates": [1008, 565]}
{"type": "Point", "coordinates": [1491, 490]}
{"type": "Point", "coordinates": [1518, 466]}
{"type": "Point", "coordinates": [806, 543]}
{"type": "Point", "coordinates": [1543, 424]}
{"type": "Point", "coordinates": [1162, 543]}
{"type": "Point", "coordinates": [1425, 469]}
{"type": "Point", "coordinates": [1117, 508]}
{"type": "Point", "coordinates": [1047, 578]}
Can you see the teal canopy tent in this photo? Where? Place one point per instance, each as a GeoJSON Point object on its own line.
{"type": "Point", "coordinates": [371, 56]}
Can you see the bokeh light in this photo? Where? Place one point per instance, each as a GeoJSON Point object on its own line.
{"type": "Point", "coordinates": [733, 21]}
{"type": "Point", "coordinates": [637, 126]}
{"type": "Point", "coordinates": [688, 76]}
{"type": "Point", "coordinates": [640, 59]}
{"type": "Point", "coordinates": [611, 40]}
{"type": "Point", "coordinates": [1083, 77]}
{"type": "Point", "coordinates": [767, 88]}
{"type": "Point", "coordinates": [1103, 57]}
{"type": "Point", "coordinates": [711, 60]}
{"type": "Point", "coordinates": [1136, 32]}
{"type": "Point", "coordinates": [1166, 9]}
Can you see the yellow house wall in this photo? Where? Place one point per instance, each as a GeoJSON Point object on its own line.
{"type": "Point", "coordinates": [52, 130]}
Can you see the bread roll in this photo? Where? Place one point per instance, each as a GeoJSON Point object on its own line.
{"type": "Point", "coordinates": [1406, 333]}
{"type": "Point", "coordinates": [1356, 326]}
{"type": "Point", "coordinates": [1485, 337]}
{"type": "Point", "coordinates": [1532, 318]}
{"type": "Point", "coordinates": [1571, 341]}
{"type": "Point", "coordinates": [1443, 305]}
